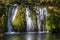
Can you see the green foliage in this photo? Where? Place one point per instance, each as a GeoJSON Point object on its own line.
{"type": "Point", "coordinates": [52, 22]}
{"type": "Point", "coordinates": [19, 22]}
{"type": "Point", "coordinates": [3, 18]}
{"type": "Point", "coordinates": [50, 25]}
{"type": "Point", "coordinates": [33, 16]}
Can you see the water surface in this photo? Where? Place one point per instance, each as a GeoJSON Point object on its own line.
{"type": "Point", "coordinates": [31, 36]}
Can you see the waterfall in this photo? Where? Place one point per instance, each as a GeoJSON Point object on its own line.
{"type": "Point", "coordinates": [30, 26]}
{"type": "Point", "coordinates": [14, 12]}
{"type": "Point", "coordinates": [38, 18]}
{"type": "Point", "coordinates": [41, 17]}
{"type": "Point", "coordinates": [9, 19]}
{"type": "Point", "coordinates": [11, 16]}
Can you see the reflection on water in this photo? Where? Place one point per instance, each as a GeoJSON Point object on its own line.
{"type": "Point", "coordinates": [31, 36]}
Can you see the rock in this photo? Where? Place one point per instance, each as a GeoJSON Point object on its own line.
{"type": "Point", "coordinates": [15, 5]}
{"type": "Point", "coordinates": [1, 34]}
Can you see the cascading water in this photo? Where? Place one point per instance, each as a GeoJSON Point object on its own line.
{"type": "Point", "coordinates": [11, 16]}
{"type": "Point", "coordinates": [45, 13]}
{"type": "Point", "coordinates": [41, 15]}
{"type": "Point", "coordinates": [9, 19]}
{"type": "Point", "coordinates": [38, 18]}
{"type": "Point", "coordinates": [14, 12]}
{"type": "Point", "coordinates": [30, 26]}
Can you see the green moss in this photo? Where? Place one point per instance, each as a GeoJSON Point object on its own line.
{"type": "Point", "coordinates": [3, 18]}
{"type": "Point", "coordinates": [19, 22]}
{"type": "Point", "coordinates": [52, 21]}
{"type": "Point", "coordinates": [33, 16]}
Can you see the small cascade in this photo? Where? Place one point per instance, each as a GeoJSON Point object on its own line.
{"type": "Point", "coordinates": [11, 16]}
{"type": "Point", "coordinates": [38, 18]}
{"type": "Point", "coordinates": [41, 18]}
{"type": "Point", "coordinates": [9, 19]}
{"type": "Point", "coordinates": [14, 12]}
{"type": "Point", "coordinates": [45, 16]}
{"type": "Point", "coordinates": [30, 26]}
